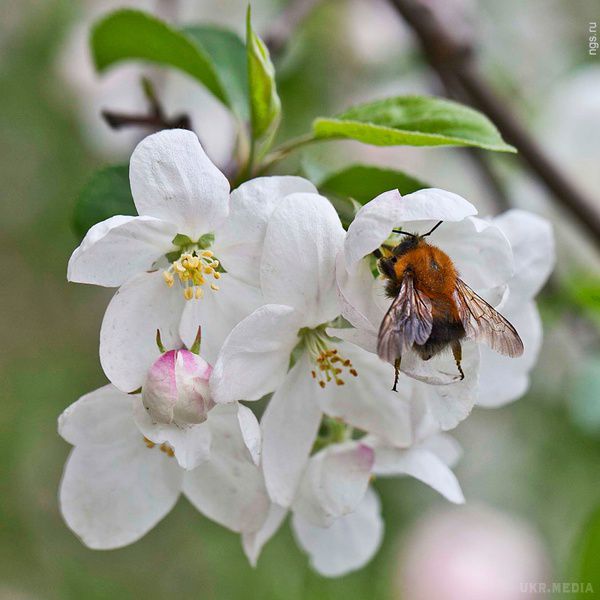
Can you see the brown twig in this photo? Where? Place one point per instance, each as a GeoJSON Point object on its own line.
{"type": "Point", "coordinates": [156, 119]}
{"type": "Point", "coordinates": [119, 120]}
{"type": "Point", "coordinates": [454, 59]}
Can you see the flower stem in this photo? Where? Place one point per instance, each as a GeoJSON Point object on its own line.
{"type": "Point", "coordinates": [284, 150]}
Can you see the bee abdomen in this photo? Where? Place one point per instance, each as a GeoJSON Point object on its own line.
{"type": "Point", "coordinates": [443, 333]}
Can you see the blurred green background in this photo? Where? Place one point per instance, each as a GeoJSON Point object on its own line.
{"type": "Point", "coordinates": [536, 461]}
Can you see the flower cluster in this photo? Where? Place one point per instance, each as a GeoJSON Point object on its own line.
{"type": "Point", "coordinates": [289, 304]}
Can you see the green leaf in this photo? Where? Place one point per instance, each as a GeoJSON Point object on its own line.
{"type": "Point", "coordinates": [228, 53]}
{"type": "Point", "coordinates": [182, 240]}
{"type": "Point", "coordinates": [413, 121]}
{"type": "Point", "coordinates": [364, 182]}
{"type": "Point", "coordinates": [265, 106]}
{"type": "Point", "coordinates": [105, 195]}
{"type": "Point", "coordinates": [587, 558]}
{"type": "Point", "coordinates": [206, 240]}
{"type": "Point", "coordinates": [212, 56]}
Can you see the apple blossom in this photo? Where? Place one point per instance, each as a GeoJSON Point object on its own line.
{"type": "Point", "coordinates": [176, 389]}
{"type": "Point", "coordinates": [120, 480]}
{"type": "Point", "coordinates": [483, 254]}
{"type": "Point", "coordinates": [336, 516]}
{"type": "Point", "coordinates": [190, 240]}
{"type": "Point", "coordinates": [303, 238]}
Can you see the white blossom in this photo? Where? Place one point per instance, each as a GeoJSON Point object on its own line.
{"type": "Point", "coordinates": [303, 238]}
{"type": "Point", "coordinates": [120, 481]}
{"type": "Point", "coordinates": [493, 257]}
{"type": "Point", "coordinates": [336, 514]}
{"type": "Point", "coordinates": [190, 257]}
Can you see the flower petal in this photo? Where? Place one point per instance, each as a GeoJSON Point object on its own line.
{"type": "Point", "coordinates": [228, 488]}
{"type": "Point", "coordinates": [421, 464]}
{"type": "Point", "coordinates": [251, 434]}
{"type": "Point", "coordinates": [357, 291]}
{"type": "Point", "coordinates": [442, 407]}
{"type": "Point", "coordinates": [172, 179]}
{"type": "Point", "coordinates": [127, 337]}
{"type": "Point", "coordinates": [191, 444]}
{"type": "Point", "coordinates": [348, 544]}
{"type": "Point", "coordinates": [115, 250]}
{"type": "Point", "coordinates": [365, 339]}
{"type": "Point", "coordinates": [441, 369]}
{"type": "Point", "coordinates": [334, 483]}
{"type": "Point", "coordinates": [289, 426]}
{"type": "Point", "coordinates": [532, 241]}
{"type": "Point", "coordinates": [374, 222]}
{"type": "Point", "coordinates": [253, 542]}
{"type": "Point", "coordinates": [218, 312]}
{"type": "Point", "coordinates": [113, 497]}
{"type": "Point", "coordinates": [503, 379]}
{"type": "Point", "coordinates": [366, 401]}
{"type": "Point", "coordinates": [100, 417]}
{"type": "Point", "coordinates": [238, 244]}
{"type": "Point", "coordinates": [256, 354]}
{"type": "Point", "coordinates": [302, 241]}
{"type": "Point", "coordinates": [444, 446]}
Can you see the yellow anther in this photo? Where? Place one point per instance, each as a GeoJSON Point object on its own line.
{"type": "Point", "coordinates": [328, 364]}
{"type": "Point", "coordinates": [192, 269]}
{"type": "Point", "coordinates": [214, 287]}
{"type": "Point", "coordinates": [164, 447]}
{"type": "Point", "coordinates": [149, 443]}
{"type": "Point", "coordinates": [169, 279]}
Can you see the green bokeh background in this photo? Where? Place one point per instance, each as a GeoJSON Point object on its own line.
{"type": "Point", "coordinates": [537, 459]}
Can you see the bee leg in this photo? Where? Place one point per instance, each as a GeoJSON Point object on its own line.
{"type": "Point", "coordinates": [396, 374]}
{"type": "Point", "coordinates": [457, 353]}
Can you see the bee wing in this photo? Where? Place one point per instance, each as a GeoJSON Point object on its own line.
{"type": "Point", "coordinates": [483, 323]}
{"type": "Point", "coordinates": [408, 321]}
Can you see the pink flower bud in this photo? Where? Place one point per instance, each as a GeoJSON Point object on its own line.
{"type": "Point", "coordinates": [176, 389]}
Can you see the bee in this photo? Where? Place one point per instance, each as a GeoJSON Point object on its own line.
{"type": "Point", "coordinates": [433, 308]}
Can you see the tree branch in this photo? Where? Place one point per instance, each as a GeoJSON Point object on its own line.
{"type": "Point", "coordinates": [155, 119]}
{"type": "Point", "coordinates": [453, 59]}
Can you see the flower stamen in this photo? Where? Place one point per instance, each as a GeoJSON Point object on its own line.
{"type": "Point", "coordinates": [192, 269]}
{"type": "Point", "coordinates": [164, 447]}
{"type": "Point", "coordinates": [329, 365]}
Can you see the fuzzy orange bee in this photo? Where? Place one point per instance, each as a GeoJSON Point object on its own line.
{"type": "Point", "coordinates": [433, 309]}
